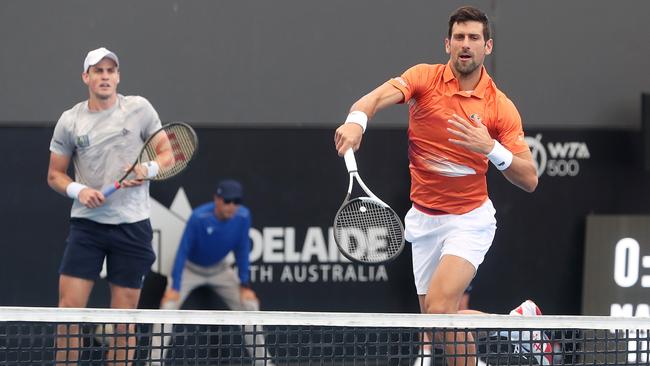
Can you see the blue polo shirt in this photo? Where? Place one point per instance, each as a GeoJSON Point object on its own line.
{"type": "Point", "coordinates": [207, 240]}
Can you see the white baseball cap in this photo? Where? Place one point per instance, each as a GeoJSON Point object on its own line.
{"type": "Point", "coordinates": [97, 55]}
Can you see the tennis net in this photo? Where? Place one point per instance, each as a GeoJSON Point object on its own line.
{"type": "Point", "coordinates": [52, 336]}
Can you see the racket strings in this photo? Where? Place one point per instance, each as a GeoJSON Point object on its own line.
{"type": "Point", "coordinates": [181, 142]}
{"type": "Point", "coordinates": [368, 231]}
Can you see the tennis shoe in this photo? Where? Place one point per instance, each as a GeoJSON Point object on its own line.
{"type": "Point", "coordinates": [527, 308]}
{"type": "Point", "coordinates": [541, 346]}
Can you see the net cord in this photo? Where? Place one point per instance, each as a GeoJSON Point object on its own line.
{"type": "Point", "coordinates": [216, 317]}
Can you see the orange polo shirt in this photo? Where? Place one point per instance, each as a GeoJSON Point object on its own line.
{"type": "Point", "coordinates": [445, 176]}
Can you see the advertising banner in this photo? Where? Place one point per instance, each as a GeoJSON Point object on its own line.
{"type": "Point", "coordinates": [294, 182]}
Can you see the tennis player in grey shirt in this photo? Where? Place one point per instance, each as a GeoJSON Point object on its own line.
{"type": "Point", "coordinates": [102, 136]}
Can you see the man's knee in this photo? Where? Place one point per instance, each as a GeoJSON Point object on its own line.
{"type": "Point", "coordinates": [124, 297]}
{"type": "Point", "coordinates": [438, 306]}
{"type": "Point", "coordinates": [74, 292]}
{"type": "Point", "coordinates": [71, 302]}
{"type": "Point", "coordinates": [250, 305]}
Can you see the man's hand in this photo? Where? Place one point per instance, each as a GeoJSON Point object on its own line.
{"type": "Point", "coordinates": [473, 136]}
{"type": "Point", "coordinates": [170, 299]}
{"type": "Point", "coordinates": [247, 294]}
{"type": "Point", "coordinates": [140, 172]}
{"type": "Point", "coordinates": [348, 135]}
{"type": "Point", "coordinates": [91, 198]}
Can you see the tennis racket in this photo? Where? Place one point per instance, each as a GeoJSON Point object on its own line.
{"type": "Point", "coordinates": [171, 147]}
{"type": "Point", "coordinates": [366, 229]}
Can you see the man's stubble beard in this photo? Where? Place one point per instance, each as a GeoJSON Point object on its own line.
{"type": "Point", "coordinates": [466, 70]}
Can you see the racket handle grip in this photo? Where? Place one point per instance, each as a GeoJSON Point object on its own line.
{"type": "Point", "coordinates": [350, 161]}
{"type": "Point", "coordinates": [110, 189]}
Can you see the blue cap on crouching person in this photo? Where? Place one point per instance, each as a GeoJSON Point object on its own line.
{"type": "Point", "coordinates": [230, 189]}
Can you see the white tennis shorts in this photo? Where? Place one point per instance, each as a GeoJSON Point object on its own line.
{"type": "Point", "coordinates": [468, 236]}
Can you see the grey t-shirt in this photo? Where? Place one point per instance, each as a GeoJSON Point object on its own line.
{"type": "Point", "coordinates": [102, 144]}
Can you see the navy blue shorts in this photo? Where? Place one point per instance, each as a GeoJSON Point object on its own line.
{"type": "Point", "coordinates": [127, 248]}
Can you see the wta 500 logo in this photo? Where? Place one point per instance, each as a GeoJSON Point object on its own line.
{"type": "Point", "coordinates": [557, 159]}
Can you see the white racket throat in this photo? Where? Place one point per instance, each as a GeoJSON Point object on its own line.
{"type": "Point", "coordinates": [351, 164]}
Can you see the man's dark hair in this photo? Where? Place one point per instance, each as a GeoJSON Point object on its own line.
{"type": "Point", "coordinates": [470, 13]}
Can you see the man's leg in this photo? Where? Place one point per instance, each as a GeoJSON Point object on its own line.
{"type": "Point", "coordinates": [128, 261]}
{"type": "Point", "coordinates": [161, 333]}
{"type": "Point", "coordinates": [427, 353]}
{"type": "Point", "coordinates": [73, 293]}
{"type": "Point", "coordinates": [124, 346]}
{"type": "Point", "coordinates": [226, 284]}
{"type": "Point", "coordinates": [80, 266]}
{"type": "Point", "coordinates": [446, 288]}
{"type": "Point", "coordinates": [447, 250]}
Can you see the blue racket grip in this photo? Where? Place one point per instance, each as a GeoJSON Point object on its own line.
{"type": "Point", "coordinates": [110, 189]}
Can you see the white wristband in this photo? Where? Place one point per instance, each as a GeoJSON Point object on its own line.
{"type": "Point", "coordinates": [73, 189]}
{"type": "Point", "coordinates": [500, 156]}
{"type": "Point", "coordinates": [152, 168]}
{"type": "Point", "coordinates": [359, 118]}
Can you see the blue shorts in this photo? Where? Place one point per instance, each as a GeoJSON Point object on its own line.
{"type": "Point", "coordinates": [126, 247]}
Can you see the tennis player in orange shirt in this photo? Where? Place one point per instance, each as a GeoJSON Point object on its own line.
{"type": "Point", "coordinates": [458, 122]}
